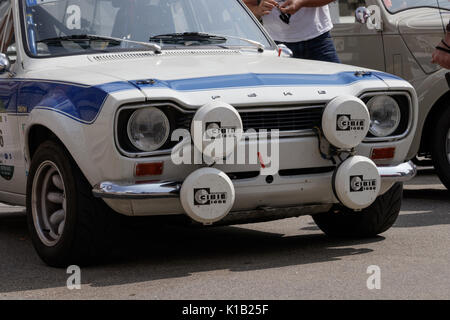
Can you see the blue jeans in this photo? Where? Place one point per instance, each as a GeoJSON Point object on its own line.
{"type": "Point", "coordinates": [321, 48]}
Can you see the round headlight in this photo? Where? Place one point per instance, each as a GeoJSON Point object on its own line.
{"type": "Point", "coordinates": [148, 129]}
{"type": "Point", "coordinates": [385, 116]}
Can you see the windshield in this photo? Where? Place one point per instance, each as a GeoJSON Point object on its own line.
{"type": "Point", "coordinates": [62, 27]}
{"type": "Point", "coordinates": [399, 5]}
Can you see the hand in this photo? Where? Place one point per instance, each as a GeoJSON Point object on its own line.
{"type": "Point", "coordinates": [291, 6]}
{"type": "Point", "coordinates": [441, 57]}
{"type": "Point", "coordinates": [265, 7]}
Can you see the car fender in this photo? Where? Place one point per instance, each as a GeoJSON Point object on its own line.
{"type": "Point", "coordinates": [91, 145]}
{"type": "Point", "coordinates": [428, 100]}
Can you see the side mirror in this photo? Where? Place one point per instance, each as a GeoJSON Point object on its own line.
{"type": "Point", "coordinates": [5, 63]}
{"type": "Point", "coordinates": [285, 51]}
{"type": "Point", "coordinates": [362, 15]}
{"type": "Point", "coordinates": [370, 16]}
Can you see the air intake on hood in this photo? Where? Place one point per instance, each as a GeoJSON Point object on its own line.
{"type": "Point", "coordinates": [141, 55]}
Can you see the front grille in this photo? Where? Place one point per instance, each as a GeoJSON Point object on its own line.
{"type": "Point", "coordinates": [305, 118]}
{"type": "Point", "coordinates": [283, 120]}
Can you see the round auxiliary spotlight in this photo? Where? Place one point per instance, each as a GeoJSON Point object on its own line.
{"type": "Point", "coordinates": [207, 195]}
{"type": "Point", "coordinates": [345, 122]}
{"type": "Point", "coordinates": [357, 182]}
{"type": "Point", "coordinates": [214, 125]}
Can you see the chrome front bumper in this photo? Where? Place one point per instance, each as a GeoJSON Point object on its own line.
{"type": "Point", "coordinates": [171, 189]}
{"type": "Point", "coordinates": [133, 191]}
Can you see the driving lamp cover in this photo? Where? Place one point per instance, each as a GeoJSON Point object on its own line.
{"type": "Point", "coordinates": [345, 122]}
{"type": "Point", "coordinates": [207, 195]}
{"type": "Point", "coordinates": [357, 182]}
{"type": "Point", "coordinates": [214, 125]}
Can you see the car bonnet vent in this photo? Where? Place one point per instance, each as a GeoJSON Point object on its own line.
{"type": "Point", "coordinates": [141, 55]}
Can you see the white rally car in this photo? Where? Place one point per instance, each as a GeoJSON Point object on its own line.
{"type": "Point", "coordinates": [187, 108]}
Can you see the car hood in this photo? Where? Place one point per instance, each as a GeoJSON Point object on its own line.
{"type": "Point", "coordinates": [106, 68]}
{"type": "Point", "coordinates": [175, 68]}
{"type": "Point", "coordinates": [237, 77]}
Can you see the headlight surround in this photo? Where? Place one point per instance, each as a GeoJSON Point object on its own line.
{"type": "Point", "coordinates": [385, 115]}
{"type": "Point", "coordinates": [148, 129]}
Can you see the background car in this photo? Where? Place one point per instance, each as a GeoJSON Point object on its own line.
{"type": "Point", "coordinates": [399, 38]}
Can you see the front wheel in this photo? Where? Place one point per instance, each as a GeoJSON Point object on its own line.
{"type": "Point", "coordinates": [369, 222]}
{"type": "Point", "coordinates": [66, 223]}
{"type": "Point", "coordinates": [440, 147]}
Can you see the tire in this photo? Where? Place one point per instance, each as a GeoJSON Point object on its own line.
{"type": "Point", "coordinates": [440, 147]}
{"type": "Point", "coordinates": [81, 238]}
{"type": "Point", "coordinates": [376, 219]}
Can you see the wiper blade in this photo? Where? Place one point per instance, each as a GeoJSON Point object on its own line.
{"type": "Point", "coordinates": [174, 38]}
{"type": "Point", "coordinates": [79, 37]}
{"type": "Point", "coordinates": [201, 36]}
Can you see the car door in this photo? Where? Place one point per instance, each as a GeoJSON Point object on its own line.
{"type": "Point", "coordinates": [12, 169]}
{"type": "Point", "coordinates": [421, 28]}
{"type": "Point", "coordinates": [356, 43]}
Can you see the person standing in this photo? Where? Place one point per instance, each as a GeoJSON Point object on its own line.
{"type": "Point", "coordinates": [302, 25]}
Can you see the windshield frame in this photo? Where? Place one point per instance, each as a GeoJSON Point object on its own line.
{"type": "Point", "coordinates": [437, 7]}
{"type": "Point", "coordinates": [29, 54]}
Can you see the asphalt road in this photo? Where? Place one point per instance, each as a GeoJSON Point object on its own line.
{"type": "Point", "coordinates": [287, 259]}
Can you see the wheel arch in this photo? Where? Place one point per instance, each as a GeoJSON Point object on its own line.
{"type": "Point", "coordinates": [36, 135]}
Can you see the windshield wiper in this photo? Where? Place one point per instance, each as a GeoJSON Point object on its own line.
{"type": "Point", "coordinates": [79, 37]}
{"type": "Point", "coordinates": [175, 38]}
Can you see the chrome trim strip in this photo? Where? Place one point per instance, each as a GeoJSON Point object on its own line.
{"type": "Point", "coordinates": [133, 191]}
{"type": "Point", "coordinates": [401, 173]}
{"type": "Point", "coordinates": [171, 189]}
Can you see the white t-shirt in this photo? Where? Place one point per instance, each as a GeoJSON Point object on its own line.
{"type": "Point", "coordinates": [306, 24]}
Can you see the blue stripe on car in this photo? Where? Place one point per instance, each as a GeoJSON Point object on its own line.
{"type": "Point", "coordinates": [79, 102]}
{"type": "Point", "coordinates": [83, 103]}
{"type": "Point", "coordinates": [257, 80]}
{"type": "Point", "coordinates": [386, 76]}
